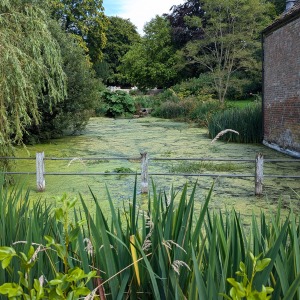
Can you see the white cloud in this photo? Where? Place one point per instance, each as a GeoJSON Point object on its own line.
{"type": "Point", "coordinates": [142, 11]}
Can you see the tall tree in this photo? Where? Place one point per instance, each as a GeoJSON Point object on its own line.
{"type": "Point", "coordinates": [231, 40]}
{"type": "Point", "coordinates": [86, 20]}
{"type": "Point", "coordinates": [121, 34]}
{"type": "Point", "coordinates": [30, 68]}
{"type": "Point", "coordinates": [72, 114]}
{"type": "Point", "coordinates": [182, 30]}
{"type": "Point", "coordinates": [150, 63]}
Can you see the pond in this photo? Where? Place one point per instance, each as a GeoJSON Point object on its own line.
{"type": "Point", "coordinates": [160, 138]}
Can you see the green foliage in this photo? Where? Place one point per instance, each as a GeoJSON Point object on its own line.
{"type": "Point", "coordinates": [163, 247]}
{"type": "Point", "coordinates": [145, 101]}
{"type": "Point", "coordinates": [201, 86]}
{"type": "Point", "coordinates": [167, 95]}
{"type": "Point", "coordinates": [69, 284]}
{"type": "Point", "coordinates": [246, 121]}
{"type": "Point", "coordinates": [30, 68]}
{"type": "Point", "coordinates": [191, 100]}
{"type": "Point", "coordinates": [86, 21]}
{"type": "Point", "coordinates": [167, 252]}
{"type": "Point", "coordinates": [244, 289]}
{"type": "Point", "coordinates": [231, 40]}
{"type": "Point", "coordinates": [175, 110]}
{"type": "Point", "coordinates": [121, 34]}
{"type": "Point", "coordinates": [190, 167]}
{"type": "Point", "coordinates": [115, 104]}
{"type": "Point", "coordinates": [239, 103]}
{"type": "Point", "coordinates": [199, 109]}
{"type": "Point", "coordinates": [123, 171]}
{"type": "Point", "coordinates": [205, 110]}
{"type": "Point", "coordinates": [150, 63]}
{"type": "Point", "coordinates": [279, 6]}
{"type": "Point", "coordinates": [72, 114]}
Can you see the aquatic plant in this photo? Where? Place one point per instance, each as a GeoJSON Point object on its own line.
{"type": "Point", "coordinates": [196, 167]}
{"type": "Point", "coordinates": [246, 121]}
{"type": "Point", "coordinates": [163, 249]}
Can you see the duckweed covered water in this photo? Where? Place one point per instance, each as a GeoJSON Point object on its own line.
{"type": "Point", "coordinates": [161, 139]}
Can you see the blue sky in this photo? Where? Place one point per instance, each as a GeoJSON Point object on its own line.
{"type": "Point", "coordinates": [138, 11]}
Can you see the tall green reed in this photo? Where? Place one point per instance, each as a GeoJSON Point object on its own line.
{"type": "Point", "coordinates": [247, 121]}
{"type": "Point", "coordinates": [164, 251]}
{"type": "Point", "coordinates": [184, 254]}
{"type": "Point", "coordinates": [23, 223]}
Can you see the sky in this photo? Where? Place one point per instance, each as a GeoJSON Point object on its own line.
{"type": "Point", "coordinates": [138, 11]}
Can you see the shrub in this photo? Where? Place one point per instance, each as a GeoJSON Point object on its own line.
{"type": "Point", "coordinates": [167, 95]}
{"type": "Point", "coordinates": [204, 110]}
{"type": "Point", "coordinates": [145, 101]}
{"type": "Point", "coordinates": [203, 85]}
{"type": "Point", "coordinates": [189, 109]}
{"type": "Point", "coordinates": [115, 104]}
{"type": "Point", "coordinates": [175, 110]}
{"type": "Point", "coordinates": [135, 92]}
{"type": "Point", "coordinates": [247, 121]}
{"type": "Point", "coordinates": [67, 281]}
{"type": "Point", "coordinates": [72, 114]}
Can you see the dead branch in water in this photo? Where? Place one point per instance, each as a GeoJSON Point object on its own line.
{"type": "Point", "coordinates": [222, 133]}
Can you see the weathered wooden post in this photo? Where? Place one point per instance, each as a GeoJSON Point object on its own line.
{"type": "Point", "coordinates": [259, 174]}
{"type": "Point", "coordinates": [40, 171]}
{"type": "Point", "coordinates": [144, 173]}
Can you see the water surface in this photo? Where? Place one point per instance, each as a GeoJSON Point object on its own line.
{"type": "Point", "coordinates": [160, 139]}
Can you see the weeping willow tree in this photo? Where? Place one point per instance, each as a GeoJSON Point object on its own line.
{"type": "Point", "coordinates": [30, 69]}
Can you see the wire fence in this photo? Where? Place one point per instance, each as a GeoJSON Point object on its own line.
{"type": "Point", "coordinates": [145, 166]}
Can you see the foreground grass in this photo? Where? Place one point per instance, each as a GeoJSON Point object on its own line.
{"type": "Point", "coordinates": [165, 251]}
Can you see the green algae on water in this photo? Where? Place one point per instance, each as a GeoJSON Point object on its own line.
{"type": "Point", "coordinates": [127, 138]}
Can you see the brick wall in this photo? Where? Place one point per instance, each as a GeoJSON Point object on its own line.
{"type": "Point", "coordinates": [282, 87]}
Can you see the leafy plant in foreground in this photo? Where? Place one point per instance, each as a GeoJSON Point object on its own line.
{"type": "Point", "coordinates": [68, 284]}
{"type": "Point", "coordinates": [244, 289]}
{"type": "Point", "coordinates": [171, 251]}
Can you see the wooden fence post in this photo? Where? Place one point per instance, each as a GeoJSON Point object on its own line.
{"type": "Point", "coordinates": [259, 174]}
{"type": "Point", "coordinates": [40, 170]}
{"type": "Point", "coordinates": [144, 173]}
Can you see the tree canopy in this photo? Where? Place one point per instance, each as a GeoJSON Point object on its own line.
{"type": "Point", "coordinates": [86, 20]}
{"type": "Point", "coordinates": [230, 42]}
{"type": "Point", "coordinates": [71, 114]}
{"type": "Point", "coordinates": [182, 30]}
{"type": "Point", "coordinates": [121, 34]}
{"type": "Point", "coordinates": [30, 69]}
{"type": "Point", "coordinates": [150, 63]}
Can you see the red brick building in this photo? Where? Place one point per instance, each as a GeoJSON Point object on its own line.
{"type": "Point", "coordinates": [281, 80]}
